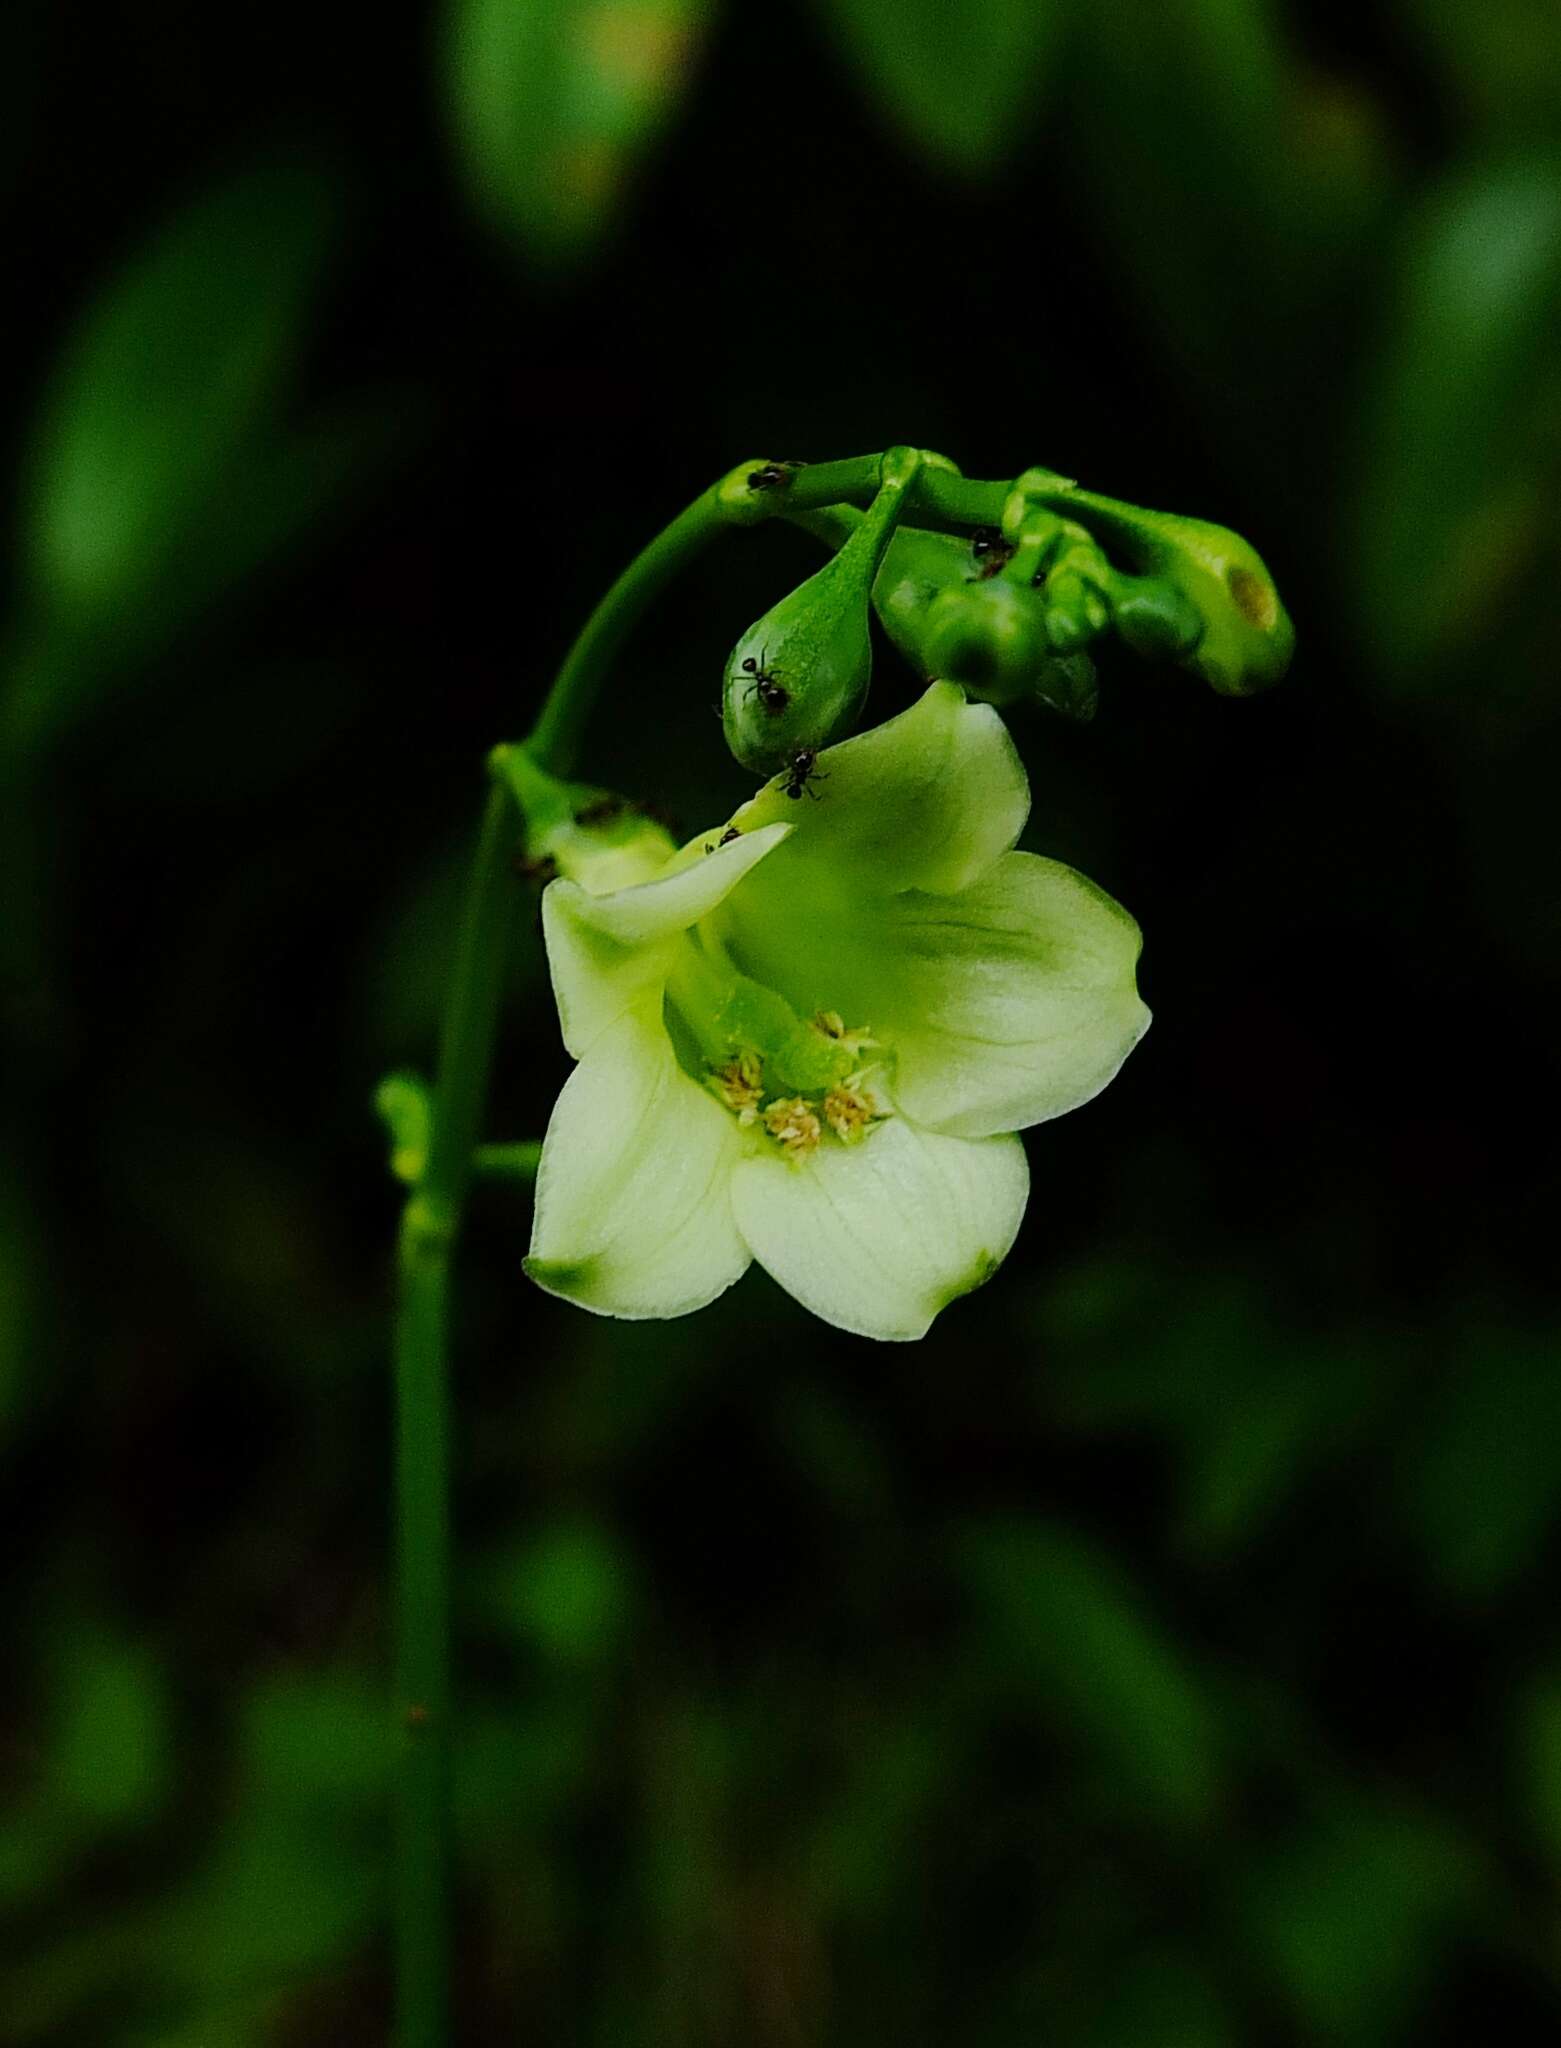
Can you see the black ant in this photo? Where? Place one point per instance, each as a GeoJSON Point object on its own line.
{"type": "Point", "coordinates": [990, 550]}
{"type": "Point", "coordinates": [773, 476]}
{"type": "Point", "coordinates": [801, 773]}
{"type": "Point", "coordinates": [772, 695]}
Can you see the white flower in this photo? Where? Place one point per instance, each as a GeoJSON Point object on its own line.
{"type": "Point", "coordinates": [810, 1039]}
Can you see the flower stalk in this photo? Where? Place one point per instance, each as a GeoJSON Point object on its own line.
{"type": "Point", "coordinates": [429, 1226]}
{"type": "Point", "coordinates": [725, 1107]}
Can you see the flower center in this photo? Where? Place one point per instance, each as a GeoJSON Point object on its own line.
{"type": "Point", "coordinates": [799, 1083]}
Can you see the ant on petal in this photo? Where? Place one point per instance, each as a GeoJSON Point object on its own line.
{"type": "Point", "coordinates": [801, 773]}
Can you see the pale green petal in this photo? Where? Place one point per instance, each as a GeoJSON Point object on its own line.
{"type": "Point", "coordinates": [928, 800]}
{"type": "Point", "coordinates": [633, 1209]}
{"type": "Point", "coordinates": [1008, 1004]}
{"type": "Point", "coordinates": [605, 952]}
{"type": "Point", "coordinates": [878, 1236]}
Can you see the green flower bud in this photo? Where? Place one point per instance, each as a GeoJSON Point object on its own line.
{"type": "Point", "coordinates": [918, 568]}
{"type": "Point", "coordinates": [983, 625]}
{"type": "Point", "coordinates": [1188, 569]}
{"type": "Point", "coordinates": [988, 636]}
{"type": "Point", "coordinates": [1155, 617]}
{"type": "Point", "coordinates": [798, 678]}
{"type": "Point", "coordinates": [594, 836]}
{"type": "Point", "coordinates": [1063, 561]}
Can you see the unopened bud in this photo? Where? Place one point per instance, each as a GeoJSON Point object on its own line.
{"type": "Point", "coordinates": [797, 679]}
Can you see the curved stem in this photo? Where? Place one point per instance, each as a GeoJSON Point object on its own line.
{"type": "Point", "coordinates": [429, 1226]}
{"type": "Point", "coordinates": [555, 737]}
{"type": "Point", "coordinates": [938, 498]}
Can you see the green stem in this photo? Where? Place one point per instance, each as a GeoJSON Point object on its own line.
{"type": "Point", "coordinates": [555, 738]}
{"type": "Point", "coordinates": [429, 1226]}
{"type": "Point", "coordinates": [938, 498]}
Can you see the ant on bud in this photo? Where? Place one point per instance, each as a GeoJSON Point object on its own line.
{"type": "Point", "coordinates": [990, 550]}
{"type": "Point", "coordinates": [772, 476]}
{"type": "Point", "coordinates": [772, 695]}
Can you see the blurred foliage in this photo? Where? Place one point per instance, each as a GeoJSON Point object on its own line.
{"type": "Point", "coordinates": [960, 83]}
{"type": "Point", "coordinates": [553, 104]}
{"type": "Point", "coordinates": [1462, 433]}
{"type": "Point", "coordinates": [1162, 1655]}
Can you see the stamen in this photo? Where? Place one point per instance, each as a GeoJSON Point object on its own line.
{"type": "Point", "coordinates": [832, 1024]}
{"type": "Point", "coordinates": [849, 1110]}
{"type": "Point", "coordinates": [740, 1084]}
{"type": "Point", "coordinates": [795, 1124]}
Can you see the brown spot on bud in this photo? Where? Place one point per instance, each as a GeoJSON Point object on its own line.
{"type": "Point", "coordinates": [1254, 599]}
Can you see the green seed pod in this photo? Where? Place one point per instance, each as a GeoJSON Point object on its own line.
{"type": "Point", "coordinates": [797, 679]}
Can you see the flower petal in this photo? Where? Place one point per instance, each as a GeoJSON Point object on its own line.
{"type": "Point", "coordinates": [878, 1236]}
{"type": "Point", "coordinates": [604, 952]}
{"type": "Point", "coordinates": [633, 1205]}
{"type": "Point", "coordinates": [927, 800]}
{"type": "Point", "coordinates": [1008, 1004]}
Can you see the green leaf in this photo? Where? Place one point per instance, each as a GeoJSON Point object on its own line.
{"type": "Point", "coordinates": [281, 489]}
{"type": "Point", "coordinates": [110, 1759]}
{"type": "Point", "coordinates": [1537, 1744]}
{"type": "Point", "coordinates": [33, 1851]}
{"type": "Point", "coordinates": [1503, 58]}
{"type": "Point", "coordinates": [1480, 1482]}
{"type": "Point", "coordinates": [22, 1265]}
{"type": "Point", "coordinates": [1352, 1916]}
{"type": "Point", "coordinates": [1165, 2000]}
{"type": "Point", "coordinates": [555, 101]}
{"type": "Point", "coordinates": [171, 369]}
{"type": "Point", "coordinates": [568, 1591]}
{"type": "Point", "coordinates": [1232, 189]}
{"type": "Point", "coordinates": [1248, 1409]}
{"type": "Point", "coordinates": [317, 1745]}
{"type": "Point", "coordinates": [273, 1903]}
{"type": "Point", "coordinates": [872, 1828]}
{"type": "Point", "coordinates": [1461, 440]}
{"type": "Point", "coordinates": [961, 83]}
{"type": "Point", "coordinates": [1075, 1638]}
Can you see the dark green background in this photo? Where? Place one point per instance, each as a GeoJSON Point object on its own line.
{"type": "Point", "coordinates": [1164, 1654]}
